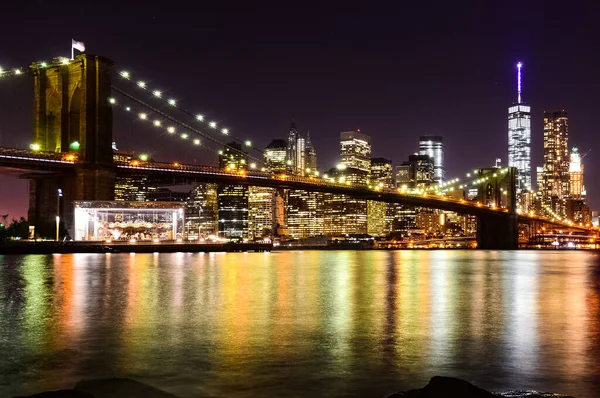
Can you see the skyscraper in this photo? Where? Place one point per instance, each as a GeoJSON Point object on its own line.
{"type": "Point", "coordinates": [434, 147]}
{"type": "Point", "coordinates": [275, 160]}
{"type": "Point", "coordinates": [233, 199]}
{"type": "Point", "coordinates": [304, 213]}
{"type": "Point", "coordinates": [343, 214]}
{"type": "Point", "coordinates": [576, 187]}
{"type": "Point", "coordinates": [311, 154]}
{"type": "Point", "coordinates": [201, 211]}
{"type": "Point", "coordinates": [355, 150]}
{"type": "Point", "coordinates": [300, 153]}
{"type": "Point", "coordinates": [576, 208]}
{"type": "Point", "coordinates": [292, 148]}
{"type": "Point", "coordinates": [260, 212]}
{"type": "Point", "coordinates": [276, 156]}
{"type": "Point", "coordinates": [519, 139]}
{"type": "Point", "coordinates": [378, 221]}
{"type": "Point", "coordinates": [300, 156]}
{"type": "Point", "coordinates": [556, 160]}
{"type": "Point", "coordinates": [417, 172]}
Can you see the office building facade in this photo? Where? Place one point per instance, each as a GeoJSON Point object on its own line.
{"type": "Point", "coordinates": [260, 212]}
{"type": "Point", "coordinates": [556, 160]}
{"type": "Point", "coordinates": [275, 156]}
{"type": "Point", "coordinates": [378, 219]}
{"type": "Point", "coordinates": [201, 212]}
{"type": "Point", "coordinates": [433, 146]}
{"type": "Point", "coordinates": [355, 150]}
{"type": "Point", "coordinates": [233, 199]}
{"type": "Point", "coordinates": [576, 187]}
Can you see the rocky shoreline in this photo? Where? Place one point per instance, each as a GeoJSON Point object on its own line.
{"type": "Point", "coordinates": [438, 387]}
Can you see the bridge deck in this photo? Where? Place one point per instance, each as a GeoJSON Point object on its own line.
{"type": "Point", "coordinates": [19, 159]}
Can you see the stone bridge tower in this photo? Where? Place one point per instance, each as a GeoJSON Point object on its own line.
{"type": "Point", "coordinates": [72, 115]}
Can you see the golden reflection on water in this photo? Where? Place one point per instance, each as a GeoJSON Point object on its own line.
{"type": "Point", "coordinates": [298, 323]}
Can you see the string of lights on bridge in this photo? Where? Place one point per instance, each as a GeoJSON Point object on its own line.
{"type": "Point", "coordinates": [159, 94]}
{"type": "Point", "coordinates": [184, 132]}
{"type": "Point", "coordinates": [172, 129]}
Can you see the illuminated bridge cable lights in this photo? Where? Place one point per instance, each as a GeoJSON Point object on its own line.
{"type": "Point", "coordinates": [176, 122]}
{"type": "Point", "coordinates": [157, 123]}
{"type": "Point", "coordinates": [172, 102]}
{"type": "Point", "coordinates": [171, 130]}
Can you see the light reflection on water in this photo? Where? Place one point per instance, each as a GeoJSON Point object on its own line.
{"type": "Point", "coordinates": [330, 323]}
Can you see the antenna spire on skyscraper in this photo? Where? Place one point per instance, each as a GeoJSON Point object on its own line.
{"type": "Point", "coordinates": [519, 65]}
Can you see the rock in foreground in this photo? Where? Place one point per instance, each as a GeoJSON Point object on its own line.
{"type": "Point", "coordinates": [107, 388]}
{"type": "Point", "coordinates": [450, 387]}
{"type": "Point", "coordinates": [443, 387]}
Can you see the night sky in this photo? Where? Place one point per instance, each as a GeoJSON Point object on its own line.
{"type": "Point", "coordinates": [395, 72]}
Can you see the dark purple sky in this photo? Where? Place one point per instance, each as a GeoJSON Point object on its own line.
{"type": "Point", "coordinates": [395, 72]}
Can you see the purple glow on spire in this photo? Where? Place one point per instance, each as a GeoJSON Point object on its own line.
{"type": "Point", "coordinates": [519, 65]}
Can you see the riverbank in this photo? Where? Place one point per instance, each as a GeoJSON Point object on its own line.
{"type": "Point", "coordinates": [50, 247]}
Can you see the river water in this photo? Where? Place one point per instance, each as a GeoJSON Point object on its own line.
{"type": "Point", "coordinates": [303, 323]}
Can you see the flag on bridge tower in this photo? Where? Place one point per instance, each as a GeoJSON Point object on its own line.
{"type": "Point", "coordinates": [77, 45]}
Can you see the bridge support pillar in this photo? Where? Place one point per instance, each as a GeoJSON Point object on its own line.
{"type": "Point", "coordinates": [497, 232]}
{"type": "Point", "coordinates": [87, 183]}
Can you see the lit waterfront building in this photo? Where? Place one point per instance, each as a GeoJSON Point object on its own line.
{"type": "Point", "coordinates": [431, 221]}
{"type": "Point", "coordinates": [343, 214]}
{"type": "Point", "coordinates": [556, 161]}
{"type": "Point", "coordinates": [275, 156]}
{"type": "Point", "coordinates": [576, 187]}
{"type": "Point", "coordinates": [433, 146]}
{"type": "Point", "coordinates": [260, 212]}
{"type": "Point", "coordinates": [201, 211]}
{"type": "Point", "coordinates": [233, 199]}
{"type": "Point", "coordinates": [378, 220]}
{"type": "Point", "coordinates": [519, 139]}
{"type": "Point", "coordinates": [304, 213]}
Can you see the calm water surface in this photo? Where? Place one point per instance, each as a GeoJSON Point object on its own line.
{"type": "Point", "coordinates": [330, 323]}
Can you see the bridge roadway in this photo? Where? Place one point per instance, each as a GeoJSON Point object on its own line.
{"type": "Point", "coordinates": [176, 173]}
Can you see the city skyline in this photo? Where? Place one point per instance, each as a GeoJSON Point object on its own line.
{"type": "Point", "coordinates": [422, 97]}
